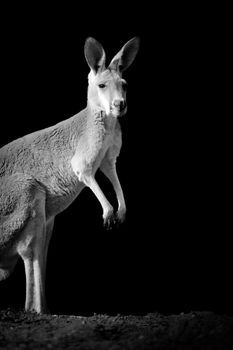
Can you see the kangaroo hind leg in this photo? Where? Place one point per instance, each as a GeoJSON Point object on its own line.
{"type": "Point", "coordinates": [16, 193]}
{"type": "Point", "coordinates": [32, 247]}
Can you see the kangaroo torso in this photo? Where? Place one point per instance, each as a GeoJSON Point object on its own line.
{"type": "Point", "coordinates": [46, 155]}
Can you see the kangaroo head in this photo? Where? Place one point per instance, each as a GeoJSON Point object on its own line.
{"type": "Point", "coordinates": [107, 89]}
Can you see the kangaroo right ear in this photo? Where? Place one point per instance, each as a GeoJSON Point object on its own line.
{"type": "Point", "coordinates": [94, 54]}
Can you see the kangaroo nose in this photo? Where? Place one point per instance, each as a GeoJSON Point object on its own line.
{"type": "Point", "coordinates": [120, 104]}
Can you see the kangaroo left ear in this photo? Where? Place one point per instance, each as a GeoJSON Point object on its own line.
{"type": "Point", "coordinates": [125, 56]}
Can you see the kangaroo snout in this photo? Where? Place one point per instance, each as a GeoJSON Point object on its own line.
{"type": "Point", "coordinates": [119, 104]}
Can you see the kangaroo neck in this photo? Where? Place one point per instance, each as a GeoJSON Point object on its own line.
{"type": "Point", "coordinates": [99, 117]}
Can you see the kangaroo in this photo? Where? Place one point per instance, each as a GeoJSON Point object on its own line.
{"type": "Point", "coordinates": [43, 172]}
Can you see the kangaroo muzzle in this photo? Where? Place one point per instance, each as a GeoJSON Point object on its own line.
{"type": "Point", "coordinates": [119, 106]}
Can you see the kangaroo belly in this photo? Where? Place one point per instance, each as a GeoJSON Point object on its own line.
{"type": "Point", "coordinates": [62, 187]}
{"type": "Point", "coordinates": [56, 202]}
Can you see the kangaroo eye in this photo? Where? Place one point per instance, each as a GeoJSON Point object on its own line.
{"type": "Point", "coordinates": [102, 86]}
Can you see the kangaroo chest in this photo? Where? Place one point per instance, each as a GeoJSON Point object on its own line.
{"type": "Point", "coordinates": [87, 158]}
{"type": "Point", "coordinates": [93, 145]}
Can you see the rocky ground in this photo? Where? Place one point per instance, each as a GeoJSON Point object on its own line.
{"type": "Point", "coordinates": [195, 330]}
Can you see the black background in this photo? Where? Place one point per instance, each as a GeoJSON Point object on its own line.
{"type": "Point", "coordinates": [173, 252]}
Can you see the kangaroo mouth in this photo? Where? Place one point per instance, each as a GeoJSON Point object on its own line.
{"type": "Point", "coordinates": [118, 112]}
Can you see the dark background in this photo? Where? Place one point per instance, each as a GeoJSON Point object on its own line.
{"type": "Point", "coordinates": [173, 252]}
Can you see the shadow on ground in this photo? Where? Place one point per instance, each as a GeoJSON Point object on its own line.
{"type": "Point", "coordinates": [195, 330]}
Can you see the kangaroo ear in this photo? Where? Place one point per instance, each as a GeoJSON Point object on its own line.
{"type": "Point", "coordinates": [125, 56]}
{"type": "Point", "coordinates": [94, 54]}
